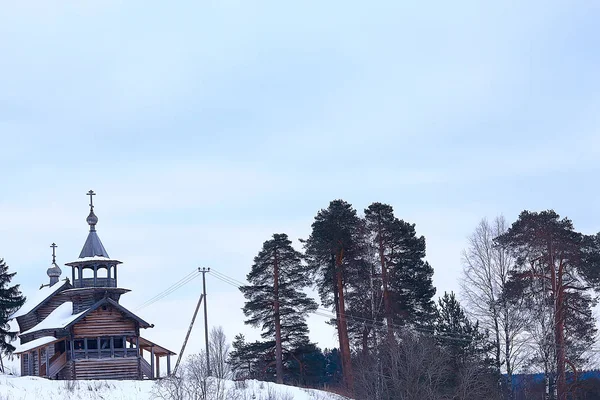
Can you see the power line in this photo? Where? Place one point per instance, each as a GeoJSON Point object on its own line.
{"type": "Point", "coordinates": [367, 321]}
{"type": "Point", "coordinates": [177, 285]}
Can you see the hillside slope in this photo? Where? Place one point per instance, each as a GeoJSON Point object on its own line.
{"type": "Point", "coordinates": [32, 388]}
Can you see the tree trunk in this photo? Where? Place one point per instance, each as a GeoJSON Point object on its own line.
{"type": "Point", "coordinates": [345, 343]}
{"type": "Point", "coordinates": [384, 279]}
{"type": "Point", "coordinates": [507, 356]}
{"type": "Point", "coordinates": [559, 333]}
{"type": "Point", "coordinates": [278, 351]}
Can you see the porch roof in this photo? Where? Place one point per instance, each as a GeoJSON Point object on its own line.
{"type": "Point", "coordinates": [147, 345]}
{"type": "Point", "coordinates": [34, 344]}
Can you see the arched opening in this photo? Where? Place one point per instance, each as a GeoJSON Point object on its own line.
{"type": "Point", "coordinates": [103, 271]}
{"type": "Point", "coordinates": [87, 273]}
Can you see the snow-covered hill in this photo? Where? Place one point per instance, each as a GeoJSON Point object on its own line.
{"type": "Point", "coordinates": [31, 388]}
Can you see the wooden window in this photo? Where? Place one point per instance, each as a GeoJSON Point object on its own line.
{"type": "Point", "coordinates": [118, 342]}
{"type": "Point", "coordinates": [105, 343]}
{"type": "Point", "coordinates": [92, 343]}
{"type": "Point", "coordinates": [78, 344]}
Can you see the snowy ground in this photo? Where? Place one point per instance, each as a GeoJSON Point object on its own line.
{"type": "Point", "coordinates": [30, 388]}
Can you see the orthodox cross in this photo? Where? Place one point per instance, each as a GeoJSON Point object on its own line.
{"type": "Point", "coordinates": [91, 193]}
{"type": "Point", "coordinates": [54, 246]}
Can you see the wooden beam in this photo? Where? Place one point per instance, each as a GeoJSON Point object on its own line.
{"type": "Point", "coordinates": [168, 364]}
{"type": "Point", "coordinates": [47, 360]}
{"type": "Point", "coordinates": [39, 357]}
{"type": "Point", "coordinates": [157, 366]}
{"type": "Point", "coordinates": [152, 361]}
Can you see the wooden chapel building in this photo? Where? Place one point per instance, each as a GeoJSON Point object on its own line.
{"type": "Point", "coordinates": [76, 329]}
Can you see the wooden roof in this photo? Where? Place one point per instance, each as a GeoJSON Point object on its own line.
{"type": "Point", "coordinates": [160, 351]}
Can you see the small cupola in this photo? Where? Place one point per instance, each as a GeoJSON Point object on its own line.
{"type": "Point", "coordinates": [54, 271]}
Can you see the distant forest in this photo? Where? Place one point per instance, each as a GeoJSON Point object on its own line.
{"type": "Point", "coordinates": [523, 327]}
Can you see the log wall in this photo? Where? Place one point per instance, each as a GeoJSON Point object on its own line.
{"type": "Point", "coordinates": [67, 372]}
{"type": "Point", "coordinates": [111, 368]}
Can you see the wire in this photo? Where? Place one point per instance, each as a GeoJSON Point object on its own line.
{"type": "Point", "coordinates": [177, 285]}
{"type": "Point", "coordinates": [228, 277]}
{"type": "Point", "coordinates": [367, 321]}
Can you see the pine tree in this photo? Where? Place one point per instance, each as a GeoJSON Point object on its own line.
{"type": "Point", "coordinates": [406, 277]}
{"type": "Point", "coordinates": [331, 249]}
{"type": "Point", "coordinates": [275, 300]}
{"type": "Point", "coordinates": [561, 267]}
{"type": "Point", "coordinates": [11, 300]}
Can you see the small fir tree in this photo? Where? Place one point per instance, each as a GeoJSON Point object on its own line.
{"type": "Point", "coordinates": [11, 300]}
{"type": "Point", "coordinates": [275, 300]}
{"type": "Point", "coordinates": [461, 338]}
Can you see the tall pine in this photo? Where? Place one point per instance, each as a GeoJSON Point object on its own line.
{"type": "Point", "coordinates": [332, 247]}
{"type": "Point", "coordinates": [406, 278]}
{"type": "Point", "coordinates": [275, 300]}
{"type": "Point", "coordinates": [11, 300]}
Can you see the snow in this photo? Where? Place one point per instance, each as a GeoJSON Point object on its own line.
{"type": "Point", "coordinates": [35, 343]}
{"type": "Point", "coordinates": [36, 299]}
{"type": "Point", "coordinates": [59, 318]}
{"type": "Point", "coordinates": [94, 258]}
{"type": "Point", "coordinates": [33, 388]}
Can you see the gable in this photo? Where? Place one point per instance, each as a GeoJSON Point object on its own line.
{"type": "Point", "coordinates": [106, 320]}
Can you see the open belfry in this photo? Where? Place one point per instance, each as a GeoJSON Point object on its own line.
{"type": "Point", "coordinates": [76, 329]}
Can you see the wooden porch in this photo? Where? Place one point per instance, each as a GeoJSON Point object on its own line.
{"type": "Point", "coordinates": [151, 370]}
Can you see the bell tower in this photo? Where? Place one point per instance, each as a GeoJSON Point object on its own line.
{"type": "Point", "coordinates": [94, 268]}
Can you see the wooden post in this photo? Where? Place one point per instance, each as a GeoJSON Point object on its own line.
{"type": "Point", "coordinates": [168, 364]}
{"type": "Point", "coordinates": [137, 344]}
{"type": "Point", "coordinates": [85, 349]}
{"type": "Point", "coordinates": [72, 346]}
{"type": "Point", "coordinates": [80, 276]}
{"type": "Point", "coordinates": [115, 267]}
{"type": "Point", "coordinates": [157, 366]}
{"type": "Point", "coordinates": [95, 274]}
{"type": "Point", "coordinates": [47, 361]}
{"type": "Point", "coordinates": [112, 347]}
{"type": "Point", "coordinates": [152, 361]}
{"type": "Point", "coordinates": [73, 276]}
{"type": "Point", "coordinates": [98, 347]}
{"type": "Point", "coordinates": [39, 356]}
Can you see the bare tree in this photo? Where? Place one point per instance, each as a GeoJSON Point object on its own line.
{"type": "Point", "coordinates": [191, 382]}
{"type": "Point", "coordinates": [486, 273]}
{"type": "Point", "coordinates": [219, 352]}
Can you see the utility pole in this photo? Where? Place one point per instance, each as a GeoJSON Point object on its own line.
{"type": "Point", "coordinates": [204, 271]}
{"type": "Point", "coordinates": [187, 336]}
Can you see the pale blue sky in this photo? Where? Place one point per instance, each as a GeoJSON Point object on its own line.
{"type": "Point", "coordinates": [206, 126]}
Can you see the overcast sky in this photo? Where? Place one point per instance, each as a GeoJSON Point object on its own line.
{"type": "Point", "coordinates": [207, 126]}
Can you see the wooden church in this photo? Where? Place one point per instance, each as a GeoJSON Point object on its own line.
{"type": "Point", "coordinates": [76, 329]}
